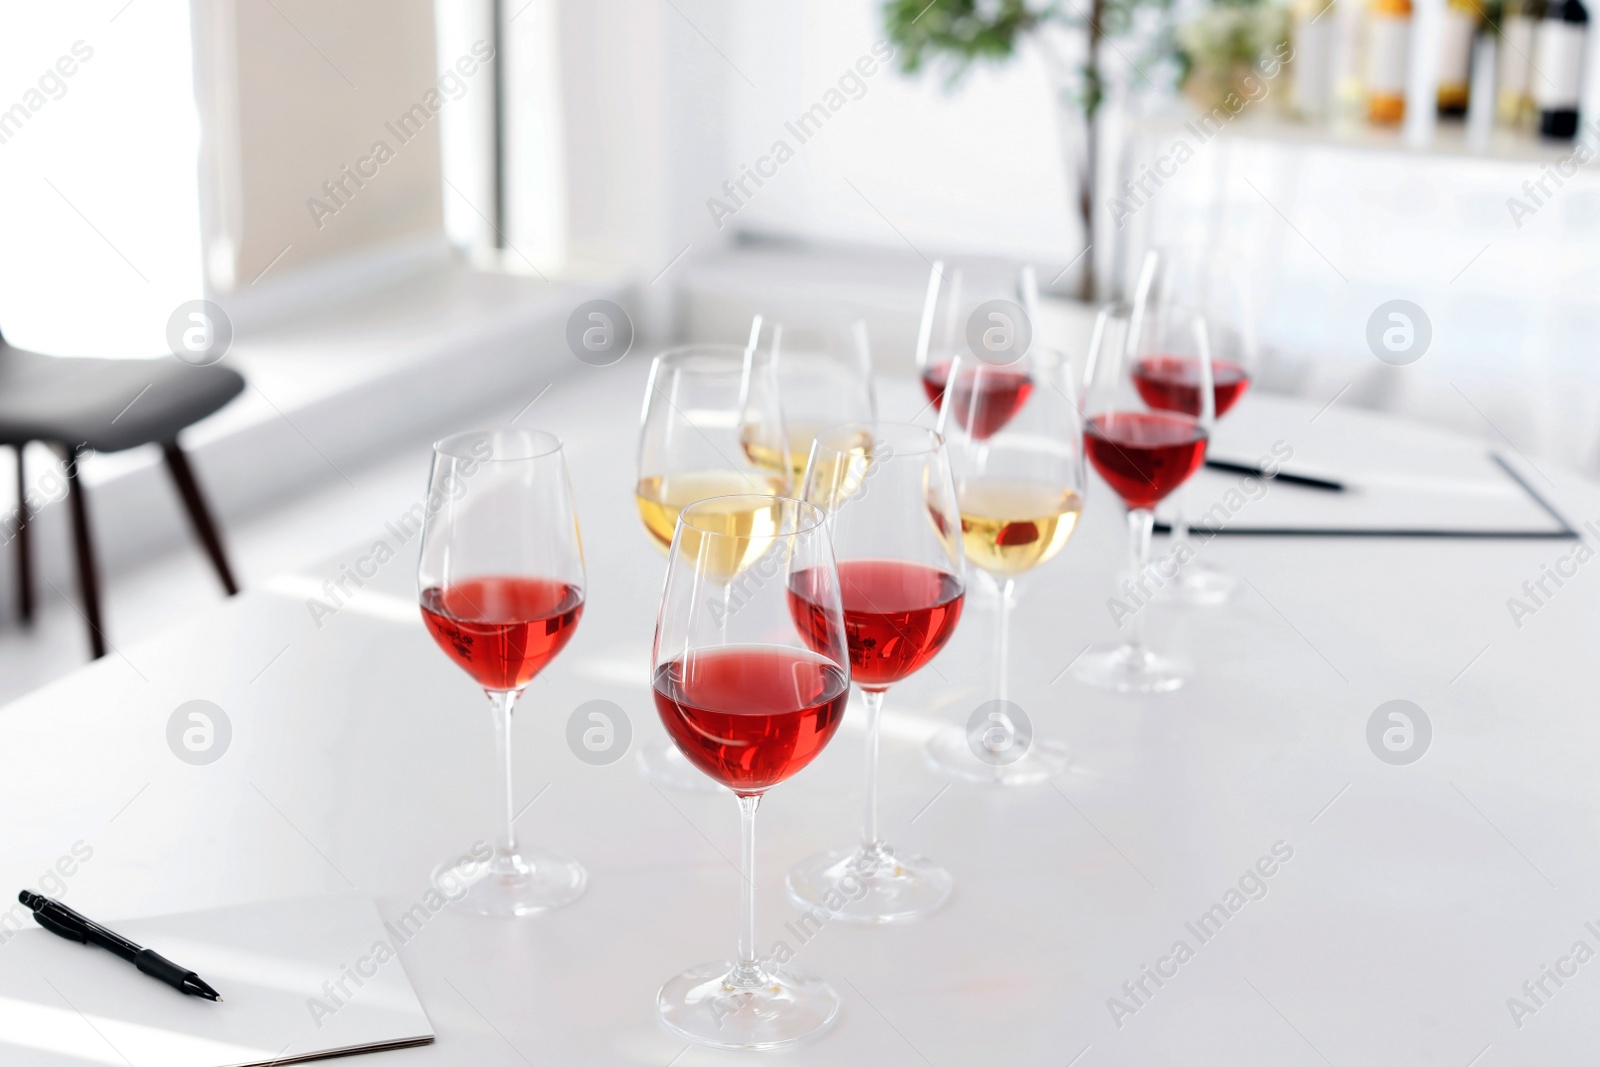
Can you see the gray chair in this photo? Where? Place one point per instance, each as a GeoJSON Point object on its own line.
{"type": "Point", "coordinates": [76, 406]}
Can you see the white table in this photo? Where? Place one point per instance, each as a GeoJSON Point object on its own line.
{"type": "Point", "coordinates": [1418, 899]}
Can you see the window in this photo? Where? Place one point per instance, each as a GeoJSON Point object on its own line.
{"type": "Point", "coordinates": [99, 182]}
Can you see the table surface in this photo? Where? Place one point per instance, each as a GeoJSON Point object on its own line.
{"type": "Point", "coordinates": [1415, 900]}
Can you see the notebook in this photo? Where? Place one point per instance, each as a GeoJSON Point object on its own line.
{"type": "Point", "coordinates": [279, 967]}
{"type": "Point", "coordinates": [1470, 494]}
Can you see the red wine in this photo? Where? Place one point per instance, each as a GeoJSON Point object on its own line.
{"type": "Point", "coordinates": [933, 379]}
{"type": "Point", "coordinates": [502, 630]}
{"type": "Point", "coordinates": [1172, 383]}
{"type": "Point", "coordinates": [750, 716]}
{"type": "Point", "coordinates": [1144, 455]}
{"type": "Point", "coordinates": [897, 615]}
{"type": "Point", "coordinates": [985, 398]}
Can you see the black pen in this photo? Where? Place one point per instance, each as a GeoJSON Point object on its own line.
{"type": "Point", "coordinates": [1282, 476]}
{"type": "Point", "coordinates": [64, 922]}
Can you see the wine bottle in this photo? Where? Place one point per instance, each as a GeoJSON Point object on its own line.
{"type": "Point", "coordinates": [1313, 32]}
{"type": "Point", "coordinates": [1515, 102]}
{"type": "Point", "coordinates": [1388, 45]}
{"type": "Point", "coordinates": [1456, 31]}
{"type": "Point", "coordinates": [1558, 67]}
{"type": "Point", "coordinates": [1349, 58]}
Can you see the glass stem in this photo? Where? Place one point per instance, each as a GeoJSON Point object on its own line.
{"type": "Point", "coordinates": [505, 852]}
{"type": "Point", "coordinates": [1002, 638]}
{"type": "Point", "coordinates": [1180, 517]}
{"type": "Point", "coordinates": [747, 974]}
{"type": "Point", "coordinates": [1141, 521]}
{"type": "Point", "coordinates": [870, 842]}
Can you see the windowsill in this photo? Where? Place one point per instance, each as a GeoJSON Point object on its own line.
{"type": "Point", "coordinates": [333, 385]}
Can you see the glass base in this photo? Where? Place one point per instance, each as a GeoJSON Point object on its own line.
{"type": "Point", "coordinates": [529, 882]}
{"type": "Point", "coordinates": [856, 885]}
{"type": "Point", "coordinates": [1128, 669]}
{"type": "Point", "coordinates": [1198, 585]}
{"type": "Point", "coordinates": [662, 763]}
{"type": "Point", "coordinates": [950, 753]}
{"type": "Point", "coordinates": [708, 1006]}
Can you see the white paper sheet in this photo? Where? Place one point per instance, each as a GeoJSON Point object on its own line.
{"type": "Point", "coordinates": [1434, 486]}
{"type": "Point", "coordinates": [278, 967]}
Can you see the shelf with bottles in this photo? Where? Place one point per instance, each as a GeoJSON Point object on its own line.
{"type": "Point", "coordinates": [1503, 80]}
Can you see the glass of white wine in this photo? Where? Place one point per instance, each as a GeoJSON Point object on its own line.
{"type": "Point", "coordinates": [823, 371]}
{"type": "Point", "coordinates": [711, 427]}
{"type": "Point", "coordinates": [1015, 436]}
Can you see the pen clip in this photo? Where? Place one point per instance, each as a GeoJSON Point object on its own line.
{"type": "Point", "coordinates": [61, 929]}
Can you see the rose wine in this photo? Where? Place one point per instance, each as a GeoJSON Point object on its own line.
{"type": "Point", "coordinates": [1009, 526]}
{"type": "Point", "coordinates": [751, 715]}
{"type": "Point", "coordinates": [897, 615]}
{"type": "Point", "coordinates": [661, 498]}
{"type": "Point", "coordinates": [502, 630]}
{"type": "Point", "coordinates": [1172, 383]}
{"type": "Point", "coordinates": [933, 379]}
{"type": "Point", "coordinates": [985, 398]}
{"type": "Point", "coordinates": [1144, 455]}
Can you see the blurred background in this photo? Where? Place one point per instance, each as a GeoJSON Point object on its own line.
{"type": "Point", "coordinates": [396, 206]}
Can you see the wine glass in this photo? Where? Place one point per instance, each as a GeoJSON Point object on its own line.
{"type": "Point", "coordinates": [501, 585]}
{"type": "Point", "coordinates": [892, 513]}
{"type": "Point", "coordinates": [960, 305]}
{"type": "Point", "coordinates": [1143, 456]}
{"type": "Point", "coordinates": [751, 675]}
{"type": "Point", "coordinates": [1175, 287]}
{"type": "Point", "coordinates": [711, 426]}
{"type": "Point", "coordinates": [824, 377]}
{"type": "Point", "coordinates": [1015, 437]}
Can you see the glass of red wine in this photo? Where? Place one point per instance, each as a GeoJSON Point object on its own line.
{"type": "Point", "coordinates": [501, 585]}
{"type": "Point", "coordinates": [896, 530]}
{"type": "Point", "coordinates": [1020, 489]}
{"type": "Point", "coordinates": [1175, 287]}
{"type": "Point", "coordinates": [961, 304]}
{"type": "Point", "coordinates": [1143, 456]}
{"type": "Point", "coordinates": [750, 681]}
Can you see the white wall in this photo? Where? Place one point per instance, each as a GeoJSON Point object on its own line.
{"type": "Point", "coordinates": [645, 114]}
{"type": "Point", "coordinates": [1331, 232]}
{"type": "Point", "coordinates": [977, 169]}
{"type": "Point", "coordinates": [334, 124]}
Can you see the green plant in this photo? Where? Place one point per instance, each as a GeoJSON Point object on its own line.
{"type": "Point", "coordinates": [963, 30]}
{"type": "Point", "coordinates": [1225, 40]}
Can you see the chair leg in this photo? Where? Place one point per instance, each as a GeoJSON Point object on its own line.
{"type": "Point", "coordinates": [24, 544]}
{"type": "Point", "coordinates": [88, 576]}
{"type": "Point", "coordinates": [204, 526]}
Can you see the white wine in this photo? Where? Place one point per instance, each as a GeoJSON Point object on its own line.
{"type": "Point", "coordinates": [1012, 525]}
{"type": "Point", "coordinates": [763, 453]}
{"type": "Point", "coordinates": [661, 497]}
